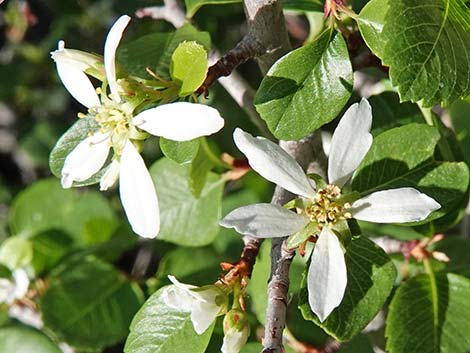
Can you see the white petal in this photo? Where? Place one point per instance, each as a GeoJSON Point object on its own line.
{"type": "Point", "coordinates": [111, 175]}
{"type": "Point", "coordinates": [350, 143]}
{"type": "Point", "coordinates": [78, 84]}
{"type": "Point", "coordinates": [86, 159]}
{"type": "Point", "coordinates": [21, 283]}
{"type": "Point", "coordinates": [178, 299]}
{"type": "Point", "coordinates": [327, 276]}
{"type": "Point", "coordinates": [110, 47]}
{"type": "Point", "coordinates": [264, 220]}
{"type": "Point", "coordinates": [183, 286]}
{"type": "Point", "coordinates": [138, 195]}
{"type": "Point", "coordinates": [273, 163]}
{"type": "Point", "coordinates": [394, 206]}
{"type": "Point", "coordinates": [203, 315]}
{"type": "Point", "coordinates": [234, 340]}
{"type": "Point", "coordinates": [180, 121]}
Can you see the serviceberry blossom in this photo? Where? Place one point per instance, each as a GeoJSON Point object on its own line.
{"type": "Point", "coordinates": [324, 208]}
{"type": "Point", "coordinates": [204, 303]}
{"type": "Point", "coordinates": [118, 129]}
{"type": "Point", "coordinates": [15, 287]}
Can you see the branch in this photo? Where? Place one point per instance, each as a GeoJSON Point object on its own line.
{"type": "Point", "coordinates": [304, 151]}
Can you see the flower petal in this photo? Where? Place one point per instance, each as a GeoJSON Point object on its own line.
{"type": "Point", "coordinates": [394, 206]}
{"type": "Point", "coordinates": [264, 220]}
{"type": "Point", "coordinates": [110, 47]}
{"type": "Point", "coordinates": [75, 80]}
{"type": "Point", "coordinates": [273, 163]}
{"type": "Point", "coordinates": [180, 121]}
{"type": "Point", "coordinates": [21, 283]}
{"type": "Point", "coordinates": [327, 276]}
{"type": "Point", "coordinates": [203, 315]}
{"type": "Point", "coordinates": [178, 299]}
{"type": "Point", "coordinates": [350, 143]}
{"type": "Point", "coordinates": [86, 159]}
{"type": "Point", "coordinates": [138, 195]}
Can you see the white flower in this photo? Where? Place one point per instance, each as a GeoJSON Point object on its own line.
{"type": "Point", "coordinates": [205, 304]}
{"type": "Point", "coordinates": [179, 121]}
{"type": "Point", "coordinates": [236, 331]}
{"type": "Point", "coordinates": [14, 288]}
{"type": "Point", "coordinates": [327, 277]}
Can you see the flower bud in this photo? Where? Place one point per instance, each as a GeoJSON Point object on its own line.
{"type": "Point", "coordinates": [236, 331]}
{"type": "Point", "coordinates": [77, 58]}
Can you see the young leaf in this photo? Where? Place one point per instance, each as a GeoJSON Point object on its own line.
{"type": "Point", "coordinates": [428, 314]}
{"type": "Point", "coordinates": [99, 313]}
{"type": "Point", "coordinates": [186, 220]}
{"type": "Point", "coordinates": [24, 339]}
{"type": "Point", "coordinates": [189, 67]}
{"type": "Point", "coordinates": [16, 252]}
{"type": "Point", "coordinates": [45, 205]}
{"type": "Point", "coordinates": [432, 65]}
{"type": "Point", "coordinates": [371, 275]}
{"type": "Point", "coordinates": [159, 328]}
{"type": "Point", "coordinates": [306, 88]}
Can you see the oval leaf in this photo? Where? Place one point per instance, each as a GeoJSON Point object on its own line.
{"type": "Point", "coordinates": [189, 67]}
{"type": "Point", "coordinates": [306, 88]}
{"type": "Point", "coordinates": [89, 304]}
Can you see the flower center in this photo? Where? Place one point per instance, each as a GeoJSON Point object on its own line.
{"type": "Point", "coordinates": [328, 207]}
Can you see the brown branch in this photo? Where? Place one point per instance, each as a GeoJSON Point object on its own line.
{"type": "Point", "coordinates": [246, 49]}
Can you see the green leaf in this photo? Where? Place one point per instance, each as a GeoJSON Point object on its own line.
{"type": "Point", "coordinates": [159, 328]}
{"type": "Point", "coordinates": [186, 220]}
{"type": "Point", "coordinates": [16, 252]}
{"type": "Point", "coordinates": [258, 285]}
{"type": "Point", "coordinates": [45, 205]}
{"type": "Point", "coordinates": [69, 140]}
{"type": "Point", "coordinates": [403, 157]}
{"type": "Point", "coordinates": [154, 50]}
{"type": "Point", "coordinates": [371, 275]}
{"type": "Point", "coordinates": [24, 339]}
{"type": "Point", "coordinates": [88, 304]}
{"type": "Point", "coordinates": [306, 88]}
{"type": "Point", "coordinates": [190, 265]}
{"type": "Point", "coordinates": [192, 6]}
{"type": "Point", "coordinates": [371, 22]}
{"type": "Point", "coordinates": [429, 315]}
{"type": "Point", "coordinates": [180, 152]}
{"type": "Point", "coordinates": [189, 67]}
{"type": "Point", "coordinates": [199, 170]}
{"type": "Point", "coordinates": [359, 344]}
{"type": "Point", "coordinates": [303, 5]}
{"type": "Point", "coordinates": [459, 113]}
{"type": "Point", "coordinates": [48, 249]}
{"type": "Point", "coordinates": [432, 65]}
{"type": "Point", "coordinates": [389, 112]}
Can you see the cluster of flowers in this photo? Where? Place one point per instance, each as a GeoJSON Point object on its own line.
{"type": "Point", "coordinates": [319, 211]}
